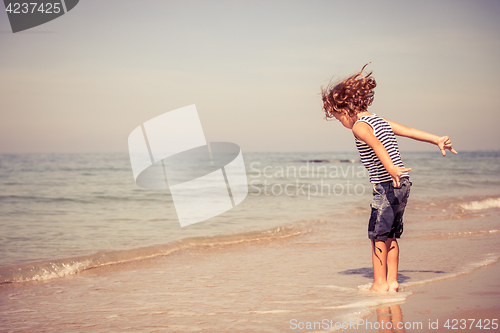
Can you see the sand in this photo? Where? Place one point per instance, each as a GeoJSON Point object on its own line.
{"type": "Point", "coordinates": [257, 287]}
{"type": "Point", "coordinates": [459, 302]}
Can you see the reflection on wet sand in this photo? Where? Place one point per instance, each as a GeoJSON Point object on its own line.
{"type": "Point", "coordinates": [390, 319]}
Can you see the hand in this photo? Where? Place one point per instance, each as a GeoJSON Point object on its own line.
{"type": "Point", "coordinates": [445, 143]}
{"type": "Point", "coordinates": [396, 173]}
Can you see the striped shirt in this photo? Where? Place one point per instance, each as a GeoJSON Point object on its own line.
{"type": "Point", "coordinates": [383, 131]}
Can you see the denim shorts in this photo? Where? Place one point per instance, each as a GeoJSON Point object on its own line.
{"type": "Point", "coordinates": [388, 207]}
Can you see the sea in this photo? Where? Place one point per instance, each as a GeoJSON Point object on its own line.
{"type": "Point", "coordinates": [83, 248]}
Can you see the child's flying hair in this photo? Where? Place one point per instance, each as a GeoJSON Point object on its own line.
{"type": "Point", "coordinates": [352, 95]}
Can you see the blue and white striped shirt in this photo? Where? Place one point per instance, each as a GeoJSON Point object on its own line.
{"type": "Point", "coordinates": [383, 131]}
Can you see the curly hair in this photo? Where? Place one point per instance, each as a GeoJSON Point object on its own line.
{"type": "Point", "coordinates": [353, 95]}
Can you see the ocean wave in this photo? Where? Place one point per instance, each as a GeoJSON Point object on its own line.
{"type": "Point", "coordinates": [89, 200]}
{"type": "Point", "coordinates": [457, 207]}
{"type": "Point", "coordinates": [482, 204]}
{"type": "Point", "coordinates": [460, 234]}
{"type": "Point", "coordinates": [333, 161]}
{"type": "Point", "coordinates": [48, 270]}
{"type": "Point", "coordinates": [39, 199]}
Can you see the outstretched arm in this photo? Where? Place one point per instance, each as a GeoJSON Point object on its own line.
{"type": "Point", "coordinates": [442, 142]}
{"type": "Point", "coordinates": [364, 132]}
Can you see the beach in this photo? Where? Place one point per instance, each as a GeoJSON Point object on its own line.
{"type": "Point", "coordinates": [468, 303]}
{"type": "Point", "coordinates": [275, 263]}
{"type": "Point", "coordinates": [272, 285]}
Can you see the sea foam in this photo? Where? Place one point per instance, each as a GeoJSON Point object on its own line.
{"type": "Point", "coordinates": [482, 204]}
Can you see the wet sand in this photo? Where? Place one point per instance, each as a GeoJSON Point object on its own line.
{"type": "Point", "coordinates": [467, 303]}
{"type": "Point", "coordinates": [258, 286]}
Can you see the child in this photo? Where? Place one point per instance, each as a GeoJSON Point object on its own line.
{"type": "Point", "coordinates": [375, 139]}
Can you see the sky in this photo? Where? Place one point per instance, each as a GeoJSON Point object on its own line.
{"type": "Point", "coordinates": [254, 69]}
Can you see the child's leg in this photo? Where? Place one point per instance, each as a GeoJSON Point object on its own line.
{"type": "Point", "coordinates": [379, 259]}
{"type": "Point", "coordinates": [392, 263]}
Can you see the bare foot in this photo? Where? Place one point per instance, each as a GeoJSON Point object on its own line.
{"type": "Point", "coordinates": [393, 286]}
{"type": "Point", "coordinates": [379, 287]}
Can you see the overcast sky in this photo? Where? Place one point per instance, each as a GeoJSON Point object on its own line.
{"type": "Point", "coordinates": [254, 69]}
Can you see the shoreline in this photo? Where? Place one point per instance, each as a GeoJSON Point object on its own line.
{"type": "Point", "coordinates": [48, 270]}
{"type": "Point", "coordinates": [272, 284]}
{"type": "Point", "coordinates": [444, 306]}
